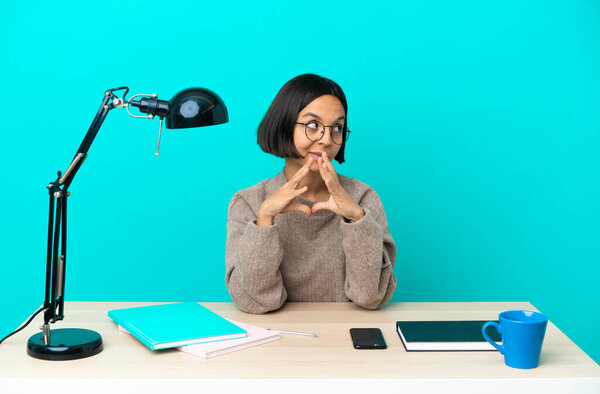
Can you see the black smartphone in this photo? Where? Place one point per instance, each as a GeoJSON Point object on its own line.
{"type": "Point", "coordinates": [367, 338]}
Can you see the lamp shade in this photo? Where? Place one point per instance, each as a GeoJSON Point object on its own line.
{"type": "Point", "coordinates": [196, 107]}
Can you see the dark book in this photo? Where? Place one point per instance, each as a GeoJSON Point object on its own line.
{"type": "Point", "coordinates": [445, 335]}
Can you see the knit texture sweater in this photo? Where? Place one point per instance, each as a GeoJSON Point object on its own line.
{"type": "Point", "coordinates": [308, 258]}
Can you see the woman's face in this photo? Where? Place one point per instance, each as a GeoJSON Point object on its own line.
{"type": "Point", "coordinates": [329, 111]}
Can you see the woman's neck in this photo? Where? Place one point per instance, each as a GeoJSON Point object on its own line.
{"type": "Point", "coordinates": [316, 185]}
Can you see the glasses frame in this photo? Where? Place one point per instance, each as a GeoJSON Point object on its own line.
{"type": "Point", "coordinates": [345, 130]}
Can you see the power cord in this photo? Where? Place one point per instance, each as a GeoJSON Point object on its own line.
{"type": "Point", "coordinates": [24, 324]}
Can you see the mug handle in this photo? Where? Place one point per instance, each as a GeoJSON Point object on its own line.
{"type": "Point", "coordinates": [487, 338]}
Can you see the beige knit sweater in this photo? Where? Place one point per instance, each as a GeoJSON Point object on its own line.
{"type": "Point", "coordinates": [308, 258]}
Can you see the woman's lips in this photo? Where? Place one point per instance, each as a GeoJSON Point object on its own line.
{"type": "Point", "coordinates": [315, 155]}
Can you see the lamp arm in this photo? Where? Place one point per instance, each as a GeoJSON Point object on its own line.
{"type": "Point", "coordinates": [109, 102]}
{"type": "Point", "coordinates": [57, 221]}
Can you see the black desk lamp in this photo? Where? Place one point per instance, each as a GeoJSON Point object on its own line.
{"type": "Point", "coordinates": [193, 107]}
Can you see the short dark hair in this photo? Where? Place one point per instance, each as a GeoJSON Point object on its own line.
{"type": "Point", "coordinates": [276, 131]}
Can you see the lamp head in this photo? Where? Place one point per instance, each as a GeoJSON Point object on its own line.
{"type": "Point", "coordinates": [193, 107]}
{"type": "Point", "coordinates": [196, 107]}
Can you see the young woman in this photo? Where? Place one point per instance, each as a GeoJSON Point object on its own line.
{"type": "Point", "coordinates": [309, 233]}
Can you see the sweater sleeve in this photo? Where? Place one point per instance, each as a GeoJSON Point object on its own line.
{"type": "Point", "coordinates": [253, 255]}
{"type": "Point", "coordinates": [370, 255]}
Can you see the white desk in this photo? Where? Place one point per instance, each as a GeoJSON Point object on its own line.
{"type": "Point", "coordinates": [297, 364]}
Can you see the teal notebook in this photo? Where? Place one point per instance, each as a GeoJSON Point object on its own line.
{"type": "Point", "coordinates": [171, 325]}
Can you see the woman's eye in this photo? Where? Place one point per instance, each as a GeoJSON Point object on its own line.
{"type": "Point", "coordinates": [338, 128]}
{"type": "Point", "coordinates": [312, 125]}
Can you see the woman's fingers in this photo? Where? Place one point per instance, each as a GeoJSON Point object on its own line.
{"type": "Point", "coordinates": [296, 206]}
{"type": "Point", "coordinates": [327, 177]}
{"type": "Point", "coordinates": [322, 169]}
{"type": "Point", "coordinates": [281, 200]}
{"type": "Point", "coordinates": [328, 166]}
{"type": "Point", "coordinates": [329, 205]}
{"type": "Point", "coordinates": [300, 191]}
{"type": "Point", "coordinates": [319, 206]}
{"type": "Point", "coordinates": [292, 183]}
{"type": "Point", "coordinates": [330, 177]}
{"type": "Point", "coordinates": [301, 173]}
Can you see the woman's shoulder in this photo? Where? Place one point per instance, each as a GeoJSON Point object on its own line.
{"type": "Point", "coordinates": [256, 194]}
{"type": "Point", "coordinates": [356, 189]}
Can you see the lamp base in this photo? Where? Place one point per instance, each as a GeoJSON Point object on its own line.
{"type": "Point", "coordinates": [65, 344]}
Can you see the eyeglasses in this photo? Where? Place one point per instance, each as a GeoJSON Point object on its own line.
{"type": "Point", "coordinates": [315, 130]}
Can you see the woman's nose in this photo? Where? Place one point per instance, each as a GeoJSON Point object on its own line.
{"type": "Point", "coordinates": [326, 139]}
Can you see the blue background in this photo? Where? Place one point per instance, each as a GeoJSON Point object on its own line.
{"type": "Point", "coordinates": [477, 123]}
